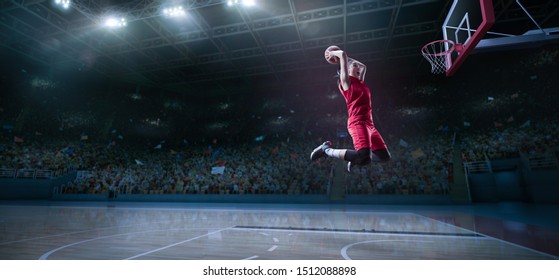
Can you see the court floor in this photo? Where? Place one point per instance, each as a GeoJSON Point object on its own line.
{"type": "Point", "coordinates": [186, 231]}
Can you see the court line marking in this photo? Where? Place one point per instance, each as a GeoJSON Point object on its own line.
{"type": "Point", "coordinates": [372, 212]}
{"type": "Point", "coordinates": [78, 232]}
{"type": "Point", "coordinates": [47, 254]}
{"type": "Point", "coordinates": [49, 236]}
{"type": "Point", "coordinates": [372, 232]}
{"type": "Point", "coordinates": [344, 254]}
{"type": "Point", "coordinates": [177, 243]}
{"type": "Point", "coordinates": [494, 238]}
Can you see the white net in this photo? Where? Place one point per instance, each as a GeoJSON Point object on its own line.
{"type": "Point", "coordinates": [438, 54]}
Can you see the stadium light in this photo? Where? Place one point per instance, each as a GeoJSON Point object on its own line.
{"type": "Point", "coordinates": [113, 22]}
{"type": "Point", "coordinates": [247, 3]}
{"type": "Point", "coordinates": [63, 3]}
{"type": "Point", "coordinates": [177, 11]}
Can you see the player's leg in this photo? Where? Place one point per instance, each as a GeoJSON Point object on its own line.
{"type": "Point", "coordinates": [380, 150]}
{"type": "Point", "coordinates": [372, 147]}
{"type": "Point", "coordinates": [381, 155]}
{"type": "Point", "coordinates": [360, 157]}
{"type": "Point", "coordinates": [325, 149]}
{"type": "Point", "coordinates": [365, 138]}
{"type": "Point", "coordinates": [319, 151]}
{"type": "Point", "coordinates": [362, 142]}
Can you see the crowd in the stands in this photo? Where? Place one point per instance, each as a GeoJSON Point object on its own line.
{"type": "Point", "coordinates": [419, 164]}
{"type": "Point", "coordinates": [510, 115]}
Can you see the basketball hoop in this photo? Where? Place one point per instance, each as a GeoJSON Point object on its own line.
{"type": "Point", "coordinates": [438, 54]}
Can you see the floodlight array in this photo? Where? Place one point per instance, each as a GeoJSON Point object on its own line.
{"type": "Point", "coordinates": [63, 3]}
{"type": "Point", "coordinates": [242, 2]}
{"type": "Point", "coordinates": [171, 12]}
{"type": "Point", "coordinates": [174, 12]}
{"type": "Point", "coordinates": [115, 23]}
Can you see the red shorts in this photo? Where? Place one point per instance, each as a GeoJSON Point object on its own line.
{"type": "Point", "coordinates": [365, 135]}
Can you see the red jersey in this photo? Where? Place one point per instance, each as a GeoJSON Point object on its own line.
{"type": "Point", "coordinates": [358, 100]}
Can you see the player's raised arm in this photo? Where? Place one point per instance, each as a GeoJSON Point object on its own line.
{"type": "Point", "coordinates": [344, 73]}
{"type": "Point", "coordinates": [362, 68]}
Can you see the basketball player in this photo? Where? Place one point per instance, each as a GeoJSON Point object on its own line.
{"type": "Point", "coordinates": [367, 141]}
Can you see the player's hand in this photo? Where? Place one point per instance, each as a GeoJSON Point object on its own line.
{"type": "Point", "coordinates": [337, 53]}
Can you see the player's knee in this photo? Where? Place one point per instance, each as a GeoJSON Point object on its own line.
{"type": "Point", "coordinates": [363, 157]}
{"type": "Point", "coordinates": [382, 154]}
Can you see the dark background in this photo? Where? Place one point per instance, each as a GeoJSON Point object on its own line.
{"type": "Point", "coordinates": [209, 78]}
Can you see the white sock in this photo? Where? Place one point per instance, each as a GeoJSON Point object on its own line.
{"type": "Point", "coordinates": [336, 153]}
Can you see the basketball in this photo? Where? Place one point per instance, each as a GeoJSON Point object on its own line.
{"type": "Point", "coordinates": [332, 59]}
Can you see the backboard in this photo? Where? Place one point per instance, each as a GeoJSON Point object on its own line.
{"type": "Point", "coordinates": [466, 24]}
{"type": "Point", "coordinates": [464, 29]}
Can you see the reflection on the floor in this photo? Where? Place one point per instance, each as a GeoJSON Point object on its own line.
{"type": "Point", "coordinates": [215, 231]}
{"type": "Point", "coordinates": [531, 236]}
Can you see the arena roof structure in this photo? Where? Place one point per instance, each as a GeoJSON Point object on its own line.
{"type": "Point", "coordinates": [223, 45]}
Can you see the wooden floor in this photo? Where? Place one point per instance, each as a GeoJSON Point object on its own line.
{"type": "Point", "coordinates": [176, 231]}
